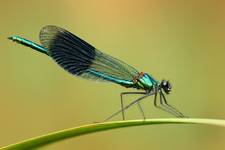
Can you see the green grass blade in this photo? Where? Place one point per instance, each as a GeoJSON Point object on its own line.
{"type": "Point", "coordinates": [97, 127]}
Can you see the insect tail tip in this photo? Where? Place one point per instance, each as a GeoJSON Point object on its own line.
{"type": "Point", "coordinates": [13, 38]}
{"type": "Point", "coordinates": [10, 38]}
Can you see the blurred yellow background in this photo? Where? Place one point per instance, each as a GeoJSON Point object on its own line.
{"type": "Point", "coordinates": [183, 41]}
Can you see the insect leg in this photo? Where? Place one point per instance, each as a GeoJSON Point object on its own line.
{"type": "Point", "coordinates": [122, 103]}
{"type": "Point", "coordinates": [141, 110]}
{"type": "Point", "coordinates": [160, 107]}
{"type": "Point", "coordinates": [171, 107]}
{"type": "Point", "coordinates": [168, 109]}
{"type": "Point", "coordinates": [132, 103]}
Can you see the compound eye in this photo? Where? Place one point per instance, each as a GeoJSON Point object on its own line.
{"type": "Point", "coordinates": [166, 86]}
{"type": "Point", "coordinates": [165, 83]}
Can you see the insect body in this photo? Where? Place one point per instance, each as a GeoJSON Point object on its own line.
{"type": "Point", "coordinates": [82, 59]}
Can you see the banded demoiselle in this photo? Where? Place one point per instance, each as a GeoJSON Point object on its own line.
{"type": "Point", "coordinates": [83, 60]}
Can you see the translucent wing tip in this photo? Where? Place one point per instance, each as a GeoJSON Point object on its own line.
{"type": "Point", "coordinates": [48, 33]}
{"type": "Point", "coordinates": [10, 38]}
{"type": "Point", "coordinates": [48, 28]}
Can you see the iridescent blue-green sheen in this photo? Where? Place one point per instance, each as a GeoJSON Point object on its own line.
{"type": "Point", "coordinates": [146, 82]}
{"type": "Point", "coordinates": [111, 79]}
{"type": "Point", "coordinates": [30, 44]}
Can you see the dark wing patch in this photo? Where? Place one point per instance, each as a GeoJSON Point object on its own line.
{"type": "Point", "coordinates": [81, 59]}
{"type": "Point", "coordinates": [68, 50]}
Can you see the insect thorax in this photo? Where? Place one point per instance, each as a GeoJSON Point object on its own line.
{"type": "Point", "coordinates": [144, 81]}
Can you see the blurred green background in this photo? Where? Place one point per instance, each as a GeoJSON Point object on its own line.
{"type": "Point", "coordinates": [183, 41]}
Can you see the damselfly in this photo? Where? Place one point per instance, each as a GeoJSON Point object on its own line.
{"type": "Point", "coordinates": [82, 59]}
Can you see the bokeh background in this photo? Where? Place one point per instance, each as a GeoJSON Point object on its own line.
{"type": "Point", "coordinates": [183, 41]}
